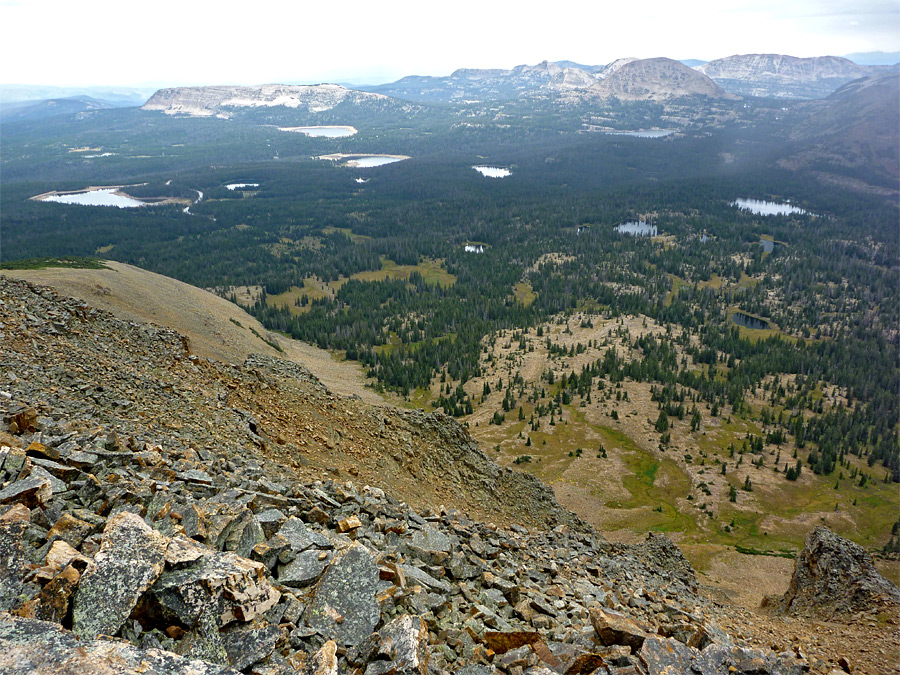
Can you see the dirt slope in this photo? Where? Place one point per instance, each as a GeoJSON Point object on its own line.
{"type": "Point", "coordinates": [217, 329]}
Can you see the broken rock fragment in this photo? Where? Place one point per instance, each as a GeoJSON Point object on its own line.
{"type": "Point", "coordinates": [235, 587]}
{"type": "Point", "coordinates": [344, 607]}
{"type": "Point", "coordinates": [131, 558]}
{"type": "Point", "coordinates": [13, 524]}
{"type": "Point", "coordinates": [617, 629]}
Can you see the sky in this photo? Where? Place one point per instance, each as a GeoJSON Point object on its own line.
{"type": "Point", "coordinates": [196, 42]}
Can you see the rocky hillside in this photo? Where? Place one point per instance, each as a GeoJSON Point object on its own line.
{"type": "Point", "coordinates": [220, 100]}
{"type": "Point", "coordinates": [160, 512]}
{"type": "Point", "coordinates": [781, 76]}
{"type": "Point", "coordinates": [656, 80]}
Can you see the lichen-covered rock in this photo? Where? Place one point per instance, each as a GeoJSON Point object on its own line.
{"type": "Point", "coordinates": [236, 587]}
{"type": "Point", "coordinates": [131, 558]}
{"type": "Point", "coordinates": [304, 569]}
{"type": "Point", "coordinates": [13, 524]}
{"type": "Point", "coordinates": [31, 647]}
{"type": "Point", "coordinates": [299, 537]}
{"type": "Point", "coordinates": [665, 656]}
{"type": "Point", "coordinates": [834, 576]}
{"type": "Point", "coordinates": [32, 491]}
{"type": "Point", "coordinates": [246, 647]}
{"type": "Point", "coordinates": [344, 607]}
{"type": "Point", "coordinates": [52, 603]}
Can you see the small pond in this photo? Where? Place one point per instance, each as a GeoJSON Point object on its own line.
{"type": "Point", "coordinates": [322, 131]}
{"type": "Point", "coordinates": [238, 186]}
{"type": "Point", "coordinates": [643, 133]}
{"type": "Point", "coordinates": [493, 171]}
{"type": "Point", "coordinates": [748, 321]}
{"type": "Point", "coordinates": [637, 228]}
{"type": "Point", "coordinates": [97, 197]}
{"type": "Point", "coordinates": [764, 208]}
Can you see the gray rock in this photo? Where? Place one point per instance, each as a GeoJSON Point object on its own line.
{"type": "Point", "coordinates": [833, 575]}
{"type": "Point", "coordinates": [344, 607]}
{"type": "Point", "coordinates": [270, 520]}
{"type": "Point", "coordinates": [131, 558]}
{"type": "Point", "coordinates": [304, 569]}
{"type": "Point", "coordinates": [665, 656]}
{"type": "Point", "coordinates": [422, 577]}
{"type": "Point", "coordinates": [32, 491]}
{"type": "Point", "coordinates": [31, 647]}
{"type": "Point", "coordinates": [401, 648]}
{"type": "Point", "coordinates": [431, 539]}
{"type": "Point", "coordinates": [236, 587]}
{"type": "Point", "coordinates": [13, 562]}
{"type": "Point", "coordinates": [246, 647]}
{"type": "Point", "coordinates": [300, 538]}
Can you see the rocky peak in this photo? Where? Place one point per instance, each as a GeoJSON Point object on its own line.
{"type": "Point", "coordinates": [656, 79]}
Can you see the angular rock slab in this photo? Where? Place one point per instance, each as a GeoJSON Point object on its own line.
{"type": "Point", "coordinates": [13, 568]}
{"type": "Point", "coordinates": [666, 656]}
{"type": "Point", "coordinates": [324, 661]}
{"type": "Point", "coordinates": [303, 570]}
{"type": "Point", "coordinates": [246, 647]}
{"type": "Point", "coordinates": [32, 491]}
{"type": "Point", "coordinates": [131, 558]}
{"type": "Point", "coordinates": [617, 629]}
{"type": "Point", "coordinates": [401, 648]}
{"type": "Point", "coordinates": [30, 647]}
{"type": "Point", "coordinates": [236, 588]}
{"type": "Point", "coordinates": [344, 607]}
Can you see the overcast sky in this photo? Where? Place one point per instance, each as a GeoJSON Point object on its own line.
{"type": "Point", "coordinates": [101, 42]}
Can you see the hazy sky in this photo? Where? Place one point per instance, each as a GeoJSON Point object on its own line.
{"type": "Point", "coordinates": [101, 42]}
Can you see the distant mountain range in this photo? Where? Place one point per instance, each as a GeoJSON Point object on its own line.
{"type": "Point", "coordinates": [626, 79]}
{"type": "Point", "coordinates": [218, 100]}
{"type": "Point", "coordinates": [36, 110]}
{"type": "Point", "coordinates": [780, 76]}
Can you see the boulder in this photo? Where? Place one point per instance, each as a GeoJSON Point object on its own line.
{"type": "Point", "coordinates": [617, 629]}
{"type": "Point", "coordinates": [344, 607]}
{"type": "Point", "coordinates": [304, 569]}
{"type": "Point", "coordinates": [400, 648]}
{"type": "Point", "coordinates": [666, 656]}
{"type": "Point", "coordinates": [13, 568]}
{"type": "Point", "coordinates": [32, 491]}
{"type": "Point", "coordinates": [31, 647]}
{"type": "Point", "coordinates": [235, 587]}
{"type": "Point", "coordinates": [131, 558]}
{"type": "Point", "coordinates": [834, 576]}
{"type": "Point", "coordinates": [324, 661]}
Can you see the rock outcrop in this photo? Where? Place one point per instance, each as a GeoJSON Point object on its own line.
{"type": "Point", "coordinates": [834, 576]}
